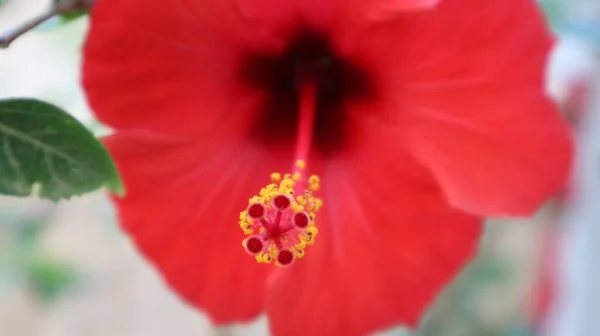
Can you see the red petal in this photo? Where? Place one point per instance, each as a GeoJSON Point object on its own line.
{"type": "Point", "coordinates": [465, 88]}
{"type": "Point", "coordinates": [168, 66]}
{"type": "Point", "coordinates": [181, 209]}
{"type": "Point", "coordinates": [328, 14]}
{"type": "Point", "coordinates": [505, 163]}
{"type": "Point", "coordinates": [387, 9]}
{"type": "Point", "coordinates": [173, 66]}
{"type": "Point", "coordinates": [387, 244]}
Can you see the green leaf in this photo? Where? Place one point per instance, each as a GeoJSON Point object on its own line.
{"type": "Point", "coordinates": [71, 15]}
{"type": "Point", "coordinates": [42, 144]}
{"type": "Point", "coordinates": [79, 10]}
{"type": "Point", "coordinates": [68, 17]}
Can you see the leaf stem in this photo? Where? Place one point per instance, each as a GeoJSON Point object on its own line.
{"type": "Point", "coordinates": [60, 7]}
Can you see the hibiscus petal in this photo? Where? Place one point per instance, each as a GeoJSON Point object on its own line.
{"type": "Point", "coordinates": [465, 88]}
{"type": "Point", "coordinates": [333, 16]}
{"type": "Point", "coordinates": [503, 164]}
{"type": "Point", "coordinates": [181, 209]}
{"type": "Point", "coordinates": [179, 61]}
{"type": "Point", "coordinates": [386, 9]}
{"type": "Point", "coordinates": [168, 66]}
{"type": "Point", "coordinates": [388, 243]}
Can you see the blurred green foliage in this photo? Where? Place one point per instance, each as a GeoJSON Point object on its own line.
{"type": "Point", "coordinates": [26, 264]}
{"type": "Point", "coordinates": [554, 10]}
{"type": "Point", "coordinates": [456, 313]}
{"type": "Point", "coordinates": [49, 278]}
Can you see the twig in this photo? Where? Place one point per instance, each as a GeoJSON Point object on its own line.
{"type": "Point", "coordinates": [60, 7]}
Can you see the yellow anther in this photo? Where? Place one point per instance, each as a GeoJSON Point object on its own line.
{"type": "Point", "coordinates": [314, 183]}
{"type": "Point", "coordinates": [263, 258]}
{"type": "Point", "coordinates": [275, 177]}
{"type": "Point", "coordinates": [300, 164]}
{"type": "Point", "coordinates": [244, 224]}
{"type": "Point", "coordinates": [311, 233]}
{"type": "Point", "coordinates": [296, 176]}
{"type": "Point", "coordinates": [268, 256]}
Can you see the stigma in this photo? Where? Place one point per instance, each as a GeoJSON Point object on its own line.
{"type": "Point", "coordinates": [280, 220]}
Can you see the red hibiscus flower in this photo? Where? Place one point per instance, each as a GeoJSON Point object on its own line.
{"type": "Point", "coordinates": [400, 122]}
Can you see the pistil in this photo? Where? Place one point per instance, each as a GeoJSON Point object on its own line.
{"type": "Point", "coordinates": [280, 221]}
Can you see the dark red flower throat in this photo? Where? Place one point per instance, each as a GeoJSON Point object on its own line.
{"type": "Point", "coordinates": [308, 58]}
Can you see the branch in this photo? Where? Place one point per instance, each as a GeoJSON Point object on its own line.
{"type": "Point", "coordinates": [59, 8]}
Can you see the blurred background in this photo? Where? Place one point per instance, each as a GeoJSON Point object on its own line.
{"type": "Point", "coordinates": [67, 270]}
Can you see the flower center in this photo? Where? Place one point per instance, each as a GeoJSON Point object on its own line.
{"type": "Point", "coordinates": [280, 226]}
{"type": "Point", "coordinates": [308, 58]}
